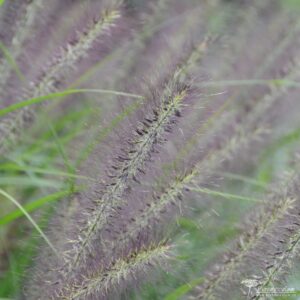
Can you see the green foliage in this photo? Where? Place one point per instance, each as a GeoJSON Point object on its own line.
{"type": "Point", "coordinates": [57, 96]}
{"type": "Point", "coordinates": [291, 4]}
{"type": "Point", "coordinates": [183, 290]}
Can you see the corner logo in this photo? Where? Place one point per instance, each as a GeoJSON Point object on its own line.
{"type": "Point", "coordinates": [250, 284]}
{"type": "Point", "coordinates": [254, 288]}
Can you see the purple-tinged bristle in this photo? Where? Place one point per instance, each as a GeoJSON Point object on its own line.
{"type": "Point", "coordinates": [61, 66]}
{"type": "Point", "coordinates": [265, 242]}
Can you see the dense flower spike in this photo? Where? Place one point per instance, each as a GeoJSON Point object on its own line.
{"type": "Point", "coordinates": [154, 212]}
{"type": "Point", "coordinates": [262, 252]}
{"type": "Point", "coordinates": [171, 102]}
{"type": "Point", "coordinates": [117, 275]}
{"type": "Point", "coordinates": [209, 78]}
{"type": "Point", "coordinates": [281, 261]}
{"type": "Point", "coordinates": [73, 52]}
{"type": "Point", "coordinates": [60, 67]}
{"type": "Point", "coordinates": [147, 135]}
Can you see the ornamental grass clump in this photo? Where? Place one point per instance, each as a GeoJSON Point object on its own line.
{"type": "Point", "coordinates": [136, 135]}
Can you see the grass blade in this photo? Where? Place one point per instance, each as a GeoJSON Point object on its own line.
{"type": "Point", "coordinates": [32, 206]}
{"type": "Point", "coordinates": [223, 195]}
{"type": "Point", "coordinates": [54, 96]}
{"type": "Point", "coordinates": [34, 224]}
{"type": "Point", "coordinates": [183, 289]}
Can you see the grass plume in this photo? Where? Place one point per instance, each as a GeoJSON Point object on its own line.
{"type": "Point", "coordinates": [118, 274]}
{"type": "Point", "coordinates": [123, 123]}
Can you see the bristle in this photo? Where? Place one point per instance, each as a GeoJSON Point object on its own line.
{"type": "Point", "coordinates": [130, 162]}
{"type": "Point", "coordinates": [119, 274]}
{"type": "Point", "coordinates": [163, 106]}
{"type": "Point", "coordinates": [60, 67]}
{"type": "Point", "coordinates": [253, 246]}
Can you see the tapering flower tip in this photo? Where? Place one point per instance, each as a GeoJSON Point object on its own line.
{"type": "Point", "coordinates": [118, 276]}
{"type": "Point", "coordinates": [254, 247]}
{"type": "Point", "coordinates": [161, 39]}
{"type": "Point", "coordinates": [35, 25]}
{"type": "Point", "coordinates": [132, 50]}
{"type": "Point", "coordinates": [172, 49]}
{"type": "Point", "coordinates": [69, 55]}
{"type": "Point", "coordinates": [59, 70]}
